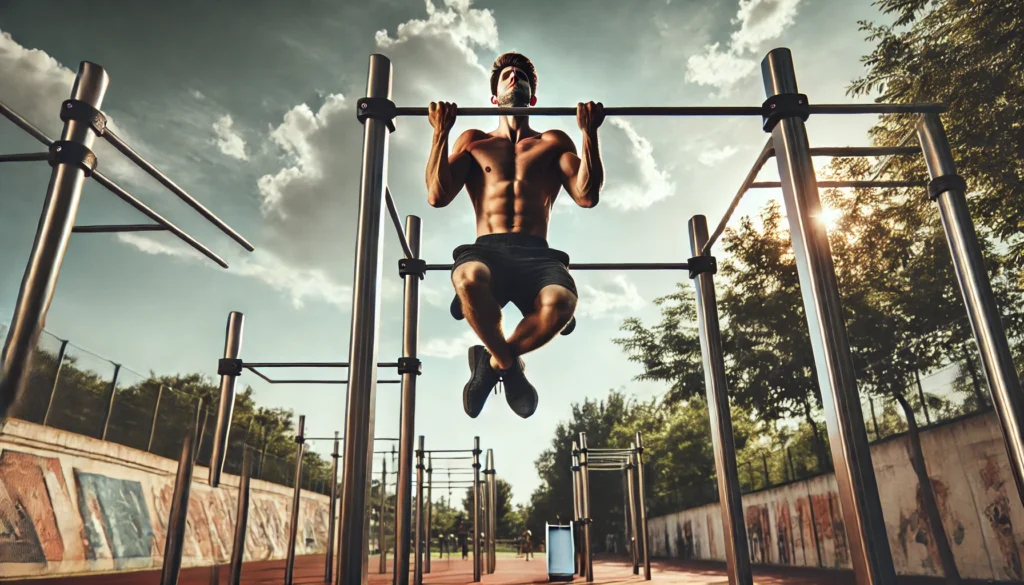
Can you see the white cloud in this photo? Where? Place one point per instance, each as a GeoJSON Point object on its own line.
{"type": "Point", "coordinates": [449, 348]}
{"type": "Point", "coordinates": [229, 141]}
{"type": "Point", "coordinates": [158, 248]}
{"type": "Point", "coordinates": [647, 185]}
{"type": "Point", "coordinates": [197, 94]}
{"type": "Point", "coordinates": [609, 301]}
{"type": "Point", "coordinates": [759, 21]}
{"type": "Point", "coordinates": [713, 156]}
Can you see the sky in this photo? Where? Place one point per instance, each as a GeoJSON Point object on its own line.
{"type": "Point", "coordinates": [249, 106]}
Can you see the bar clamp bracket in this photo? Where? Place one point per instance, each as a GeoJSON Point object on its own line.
{"type": "Point", "coordinates": [783, 105]}
{"type": "Point", "coordinates": [377, 109]}
{"type": "Point", "coordinates": [79, 111]}
{"type": "Point", "coordinates": [73, 153]}
{"type": "Point", "coordinates": [940, 185]}
{"type": "Point", "coordinates": [410, 365]}
{"type": "Point", "coordinates": [488, 472]}
{"type": "Point", "coordinates": [702, 265]}
{"type": "Point", "coordinates": [229, 367]}
{"type": "Point", "coordinates": [412, 267]}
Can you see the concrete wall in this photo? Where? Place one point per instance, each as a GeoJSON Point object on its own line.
{"type": "Point", "coordinates": [72, 504]}
{"type": "Point", "coordinates": [801, 523]}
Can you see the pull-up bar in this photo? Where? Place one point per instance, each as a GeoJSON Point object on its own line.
{"type": "Point", "coordinates": [681, 111]}
{"type": "Point", "coordinates": [603, 266]}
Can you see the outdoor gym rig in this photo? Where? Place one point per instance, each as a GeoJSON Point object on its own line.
{"type": "Point", "coordinates": [783, 115]}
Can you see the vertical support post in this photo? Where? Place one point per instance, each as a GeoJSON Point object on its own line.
{"type": "Point", "coordinates": [293, 528]}
{"type": "Point", "coordinates": [156, 411]}
{"type": "Point", "coordinates": [626, 537]}
{"type": "Point", "coordinates": [430, 509]}
{"type": "Point", "coordinates": [982, 309]}
{"type": "Point", "coordinates": [633, 528]}
{"type": "Point", "coordinates": [642, 495]}
{"type": "Point", "coordinates": [178, 518]}
{"type": "Point", "coordinates": [492, 512]}
{"type": "Point", "coordinates": [56, 378]}
{"type": "Point", "coordinates": [52, 234]}
{"type": "Point", "coordinates": [409, 368]}
{"type": "Point", "coordinates": [851, 455]}
{"type": "Point", "coordinates": [111, 394]}
{"type": "Point", "coordinates": [383, 511]}
{"type": "Point", "coordinates": [242, 519]}
{"type": "Point", "coordinates": [226, 406]}
{"type": "Point", "coordinates": [333, 510]}
{"type": "Point", "coordinates": [418, 537]}
{"type": "Point", "coordinates": [737, 557]}
{"type": "Point", "coordinates": [364, 340]}
{"type": "Point", "coordinates": [585, 507]}
{"type": "Point", "coordinates": [477, 565]}
{"type": "Point", "coordinates": [577, 506]}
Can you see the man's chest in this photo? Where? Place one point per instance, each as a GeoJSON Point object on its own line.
{"type": "Point", "coordinates": [500, 158]}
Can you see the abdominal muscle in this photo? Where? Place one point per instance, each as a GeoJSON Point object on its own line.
{"type": "Point", "coordinates": [513, 207]}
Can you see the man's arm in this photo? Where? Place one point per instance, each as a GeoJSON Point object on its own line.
{"type": "Point", "coordinates": [446, 175]}
{"type": "Point", "coordinates": [583, 176]}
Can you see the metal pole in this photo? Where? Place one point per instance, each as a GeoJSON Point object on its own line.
{"type": "Point", "coordinates": [585, 507]}
{"type": "Point", "coordinates": [851, 455]}
{"type": "Point", "coordinates": [110, 402]}
{"type": "Point", "coordinates": [418, 538]}
{"type": "Point", "coordinates": [226, 407]}
{"type": "Point", "coordinates": [56, 377]}
{"type": "Point", "coordinates": [156, 410]}
{"type": "Point", "coordinates": [477, 565]}
{"type": "Point", "coordinates": [407, 422]}
{"type": "Point", "coordinates": [52, 234]}
{"type": "Point", "coordinates": [996, 359]}
{"type": "Point", "coordinates": [383, 509]}
{"type": "Point", "coordinates": [633, 528]}
{"type": "Point", "coordinates": [577, 510]}
{"type": "Point", "coordinates": [430, 508]}
{"type": "Point", "coordinates": [241, 519]}
{"type": "Point", "coordinates": [178, 518]}
{"type": "Point", "coordinates": [641, 494]}
{"type": "Point", "coordinates": [293, 528]}
{"type": "Point", "coordinates": [737, 558]}
{"type": "Point", "coordinates": [492, 512]}
{"type": "Point", "coordinates": [332, 524]}
{"type": "Point", "coordinates": [364, 340]}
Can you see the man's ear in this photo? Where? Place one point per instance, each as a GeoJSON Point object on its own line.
{"type": "Point", "coordinates": [494, 99]}
{"type": "Point", "coordinates": [533, 101]}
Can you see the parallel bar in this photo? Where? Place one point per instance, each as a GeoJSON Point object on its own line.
{"type": "Point", "coordinates": [418, 530]}
{"type": "Point", "coordinates": [986, 323]}
{"type": "Point", "coordinates": [642, 496]}
{"type": "Point", "coordinates": [145, 210]}
{"type": "Point", "coordinates": [332, 524]}
{"type": "Point", "coordinates": [396, 220]}
{"type": "Point", "coordinates": [117, 229]}
{"type": "Point", "coordinates": [51, 241]}
{"type": "Point", "coordinates": [847, 184]}
{"type": "Point", "coordinates": [25, 157]}
{"type": "Point", "coordinates": [178, 516]}
{"type": "Point", "coordinates": [242, 519]}
{"type": "Point", "coordinates": [449, 451]}
{"type": "Point", "coordinates": [868, 543]}
{"type": "Point", "coordinates": [737, 556]}
{"type": "Point", "coordinates": [477, 565]}
{"type": "Point", "coordinates": [299, 381]}
{"type": "Point", "coordinates": [687, 110]}
{"type": "Point", "coordinates": [154, 172]}
{"type": "Point", "coordinates": [601, 266]}
{"type": "Point", "coordinates": [293, 527]}
{"type": "Point", "coordinates": [250, 365]}
{"type": "Point", "coordinates": [585, 507]}
{"type": "Point", "coordinates": [226, 405]}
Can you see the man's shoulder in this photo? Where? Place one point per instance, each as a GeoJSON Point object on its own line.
{"type": "Point", "coordinates": [560, 138]}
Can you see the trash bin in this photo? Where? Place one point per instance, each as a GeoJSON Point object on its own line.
{"type": "Point", "coordinates": [561, 552]}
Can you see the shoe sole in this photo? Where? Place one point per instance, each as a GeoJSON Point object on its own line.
{"type": "Point", "coordinates": [474, 357]}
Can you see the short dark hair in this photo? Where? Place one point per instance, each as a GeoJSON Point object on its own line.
{"type": "Point", "coordinates": [513, 60]}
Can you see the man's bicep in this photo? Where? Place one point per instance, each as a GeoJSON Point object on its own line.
{"type": "Point", "coordinates": [569, 166]}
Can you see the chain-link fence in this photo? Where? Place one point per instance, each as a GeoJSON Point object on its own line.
{"type": "Point", "coordinates": [75, 390]}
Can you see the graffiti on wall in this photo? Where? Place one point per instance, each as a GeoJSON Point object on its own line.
{"type": "Point", "coordinates": [997, 513]}
{"type": "Point", "coordinates": [33, 499]}
{"type": "Point", "coordinates": [115, 517]}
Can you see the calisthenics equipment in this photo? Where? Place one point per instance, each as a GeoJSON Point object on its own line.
{"type": "Point", "coordinates": [783, 115]}
{"type": "Point", "coordinates": [73, 161]}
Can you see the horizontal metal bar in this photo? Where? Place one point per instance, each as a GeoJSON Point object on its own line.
{"type": "Point", "coordinates": [343, 438]}
{"type": "Point", "coordinates": [688, 110]}
{"type": "Point", "coordinates": [25, 157]}
{"type": "Point", "coordinates": [24, 124]}
{"type": "Point", "coordinates": [863, 150]}
{"type": "Point", "coordinates": [622, 449]}
{"type": "Point", "coordinates": [145, 210]}
{"type": "Point", "coordinates": [113, 229]}
{"type": "Point", "coordinates": [448, 451]}
{"type": "Point", "coordinates": [154, 172]}
{"type": "Point", "coordinates": [847, 184]}
{"type": "Point", "coordinates": [252, 368]}
{"type": "Point", "coordinates": [451, 458]}
{"type": "Point", "coordinates": [395, 219]}
{"type": "Point", "coordinates": [604, 266]}
{"type": "Point", "coordinates": [309, 365]}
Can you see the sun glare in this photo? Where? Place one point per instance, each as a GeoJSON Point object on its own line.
{"type": "Point", "coordinates": [829, 217]}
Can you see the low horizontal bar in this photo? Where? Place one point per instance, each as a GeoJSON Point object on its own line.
{"type": "Point", "coordinates": [448, 451]}
{"type": "Point", "coordinates": [604, 266]}
{"type": "Point", "coordinates": [847, 184]}
{"type": "Point", "coordinates": [623, 449]}
{"type": "Point", "coordinates": [25, 157]}
{"type": "Point", "coordinates": [251, 365]}
{"type": "Point", "coordinates": [113, 229]}
{"type": "Point", "coordinates": [395, 219]}
{"type": "Point", "coordinates": [864, 150]}
{"type": "Point", "coordinates": [451, 458]}
{"type": "Point", "coordinates": [252, 368]}
{"type": "Point", "coordinates": [687, 110]}
{"type": "Point", "coordinates": [154, 172]}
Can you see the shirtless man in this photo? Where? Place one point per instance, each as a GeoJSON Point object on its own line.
{"type": "Point", "coordinates": [512, 175]}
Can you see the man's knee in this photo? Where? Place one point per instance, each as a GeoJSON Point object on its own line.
{"type": "Point", "coordinates": [471, 276]}
{"type": "Point", "coordinates": [557, 300]}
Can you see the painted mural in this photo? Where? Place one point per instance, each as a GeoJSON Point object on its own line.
{"type": "Point", "coordinates": [802, 523]}
{"type": "Point", "coordinates": [62, 514]}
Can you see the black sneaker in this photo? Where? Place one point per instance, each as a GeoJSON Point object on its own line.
{"type": "Point", "coordinates": [519, 392]}
{"type": "Point", "coordinates": [481, 381]}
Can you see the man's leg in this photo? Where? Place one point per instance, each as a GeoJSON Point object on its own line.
{"type": "Point", "coordinates": [553, 308]}
{"type": "Point", "coordinates": [472, 282]}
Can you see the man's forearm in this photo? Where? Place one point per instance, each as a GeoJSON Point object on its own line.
{"type": "Point", "coordinates": [439, 174]}
{"type": "Point", "coordinates": [591, 175]}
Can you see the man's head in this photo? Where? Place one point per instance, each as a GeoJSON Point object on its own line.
{"type": "Point", "coordinates": [513, 81]}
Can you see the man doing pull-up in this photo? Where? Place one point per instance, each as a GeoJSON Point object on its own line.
{"type": "Point", "coordinates": [512, 175]}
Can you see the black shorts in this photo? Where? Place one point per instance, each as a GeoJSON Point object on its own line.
{"type": "Point", "coordinates": [520, 264]}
